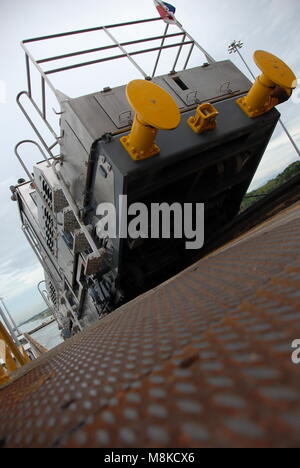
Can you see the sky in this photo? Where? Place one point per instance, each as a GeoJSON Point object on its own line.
{"type": "Point", "coordinates": [271, 25]}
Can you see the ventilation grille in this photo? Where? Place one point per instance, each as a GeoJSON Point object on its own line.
{"type": "Point", "coordinates": [49, 229]}
{"type": "Point", "coordinates": [52, 293]}
{"type": "Point", "coordinates": [69, 221]}
{"type": "Point", "coordinates": [81, 243]}
{"type": "Point", "coordinates": [48, 222]}
{"type": "Point", "coordinates": [47, 194]}
{"type": "Point", "coordinates": [59, 200]}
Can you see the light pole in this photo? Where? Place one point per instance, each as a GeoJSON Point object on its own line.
{"type": "Point", "coordinates": [10, 317]}
{"type": "Point", "coordinates": [232, 49]}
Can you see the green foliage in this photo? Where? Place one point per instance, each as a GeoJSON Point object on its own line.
{"type": "Point", "coordinates": [256, 195]}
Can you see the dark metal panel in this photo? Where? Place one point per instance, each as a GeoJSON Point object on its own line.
{"type": "Point", "coordinates": [109, 111]}
{"type": "Point", "coordinates": [182, 143]}
{"type": "Point", "coordinates": [208, 83]}
{"type": "Point", "coordinates": [160, 81]}
{"type": "Point", "coordinates": [75, 158]}
{"type": "Point", "coordinates": [115, 104]}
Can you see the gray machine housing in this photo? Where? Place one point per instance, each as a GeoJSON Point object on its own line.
{"type": "Point", "coordinates": [219, 165]}
{"type": "Point", "coordinates": [88, 275]}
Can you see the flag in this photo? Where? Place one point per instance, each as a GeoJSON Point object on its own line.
{"type": "Point", "coordinates": [166, 11]}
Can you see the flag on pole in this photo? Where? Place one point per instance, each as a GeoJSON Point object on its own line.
{"type": "Point", "coordinates": [166, 11]}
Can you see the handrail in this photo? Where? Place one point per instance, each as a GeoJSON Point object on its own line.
{"type": "Point", "coordinates": [84, 31]}
{"type": "Point", "coordinates": [11, 353]}
{"type": "Point", "coordinates": [127, 54]}
{"type": "Point", "coordinates": [159, 52]}
{"type": "Point", "coordinates": [114, 57]}
{"type": "Point", "coordinates": [21, 160]}
{"type": "Point", "coordinates": [46, 297]}
{"type": "Point", "coordinates": [12, 346]}
{"type": "Point", "coordinates": [45, 80]}
{"type": "Point", "coordinates": [112, 46]}
{"type": "Point", "coordinates": [41, 114]}
{"type": "Point", "coordinates": [39, 255]}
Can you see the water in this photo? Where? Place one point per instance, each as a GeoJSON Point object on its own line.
{"type": "Point", "coordinates": [48, 336]}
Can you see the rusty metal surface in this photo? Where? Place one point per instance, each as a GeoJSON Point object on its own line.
{"type": "Point", "coordinates": [39, 349]}
{"type": "Point", "coordinates": [202, 361]}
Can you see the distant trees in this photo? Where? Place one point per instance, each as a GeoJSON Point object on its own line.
{"type": "Point", "coordinates": [42, 315]}
{"type": "Point", "coordinates": [255, 195]}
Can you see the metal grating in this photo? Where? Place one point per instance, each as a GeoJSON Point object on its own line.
{"type": "Point", "coordinates": [70, 222]}
{"type": "Point", "coordinates": [47, 194]}
{"type": "Point", "coordinates": [59, 200]}
{"type": "Point", "coordinates": [53, 293]}
{"type": "Point", "coordinates": [81, 243]}
{"type": "Point", "coordinates": [49, 230]}
{"type": "Point", "coordinates": [203, 361]}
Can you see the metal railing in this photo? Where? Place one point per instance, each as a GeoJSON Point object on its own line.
{"type": "Point", "coordinates": [187, 40]}
{"type": "Point", "coordinates": [30, 60]}
{"type": "Point", "coordinates": [19, 157]}
{"type": "Point", "coordinates": [115, 45]}
{"type": "Point", "coordinates": [42, 115]}
{"type": "Point", "coordinates": [41, 110]}
{"type": "Point", "coordinates": [11, 354]}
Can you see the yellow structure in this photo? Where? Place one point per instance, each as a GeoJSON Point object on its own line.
{"type": "Point", "coordinates": [11, 355]}
{"type": "Point", "coordinates": [205, 118]}
{"type": "Point", "coordinates": [274, 86]}
{"type": "Point", "coordinates": [4, 377]}
{"type": "Point", "coordinates": [155, 109]}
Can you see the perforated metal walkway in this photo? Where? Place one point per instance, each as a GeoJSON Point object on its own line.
{"type": "Point", "coordinates": [202, 361]}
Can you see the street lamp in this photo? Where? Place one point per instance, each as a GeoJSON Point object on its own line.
{"type": "Point", "coordinates": [234, 48]}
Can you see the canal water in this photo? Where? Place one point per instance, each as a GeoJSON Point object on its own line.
{"type": "Point", "coordinates": [48, 336]}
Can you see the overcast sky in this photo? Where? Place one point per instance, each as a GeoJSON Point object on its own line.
{"type": "Point", "coordinates": [272, 25]}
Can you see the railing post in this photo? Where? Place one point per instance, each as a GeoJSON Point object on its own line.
{"type": "Point", "coordinates": [159, 52]}
{"type": "Point", "coordinates": [125, 52]}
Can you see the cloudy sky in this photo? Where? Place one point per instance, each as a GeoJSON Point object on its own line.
{"type": "Point", "coordinates": [272, 25]}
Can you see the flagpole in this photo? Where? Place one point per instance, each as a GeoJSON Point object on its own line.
{"type": "Point", "coordinates": [171, 15]}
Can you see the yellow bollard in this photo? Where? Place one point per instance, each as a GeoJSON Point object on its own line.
{"type": "Point", "coordinates": [155, 109]}
{"type": "Point", "coordinates": [274, 86]}
{"type": "Point", "coordinates": [141, 141]}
